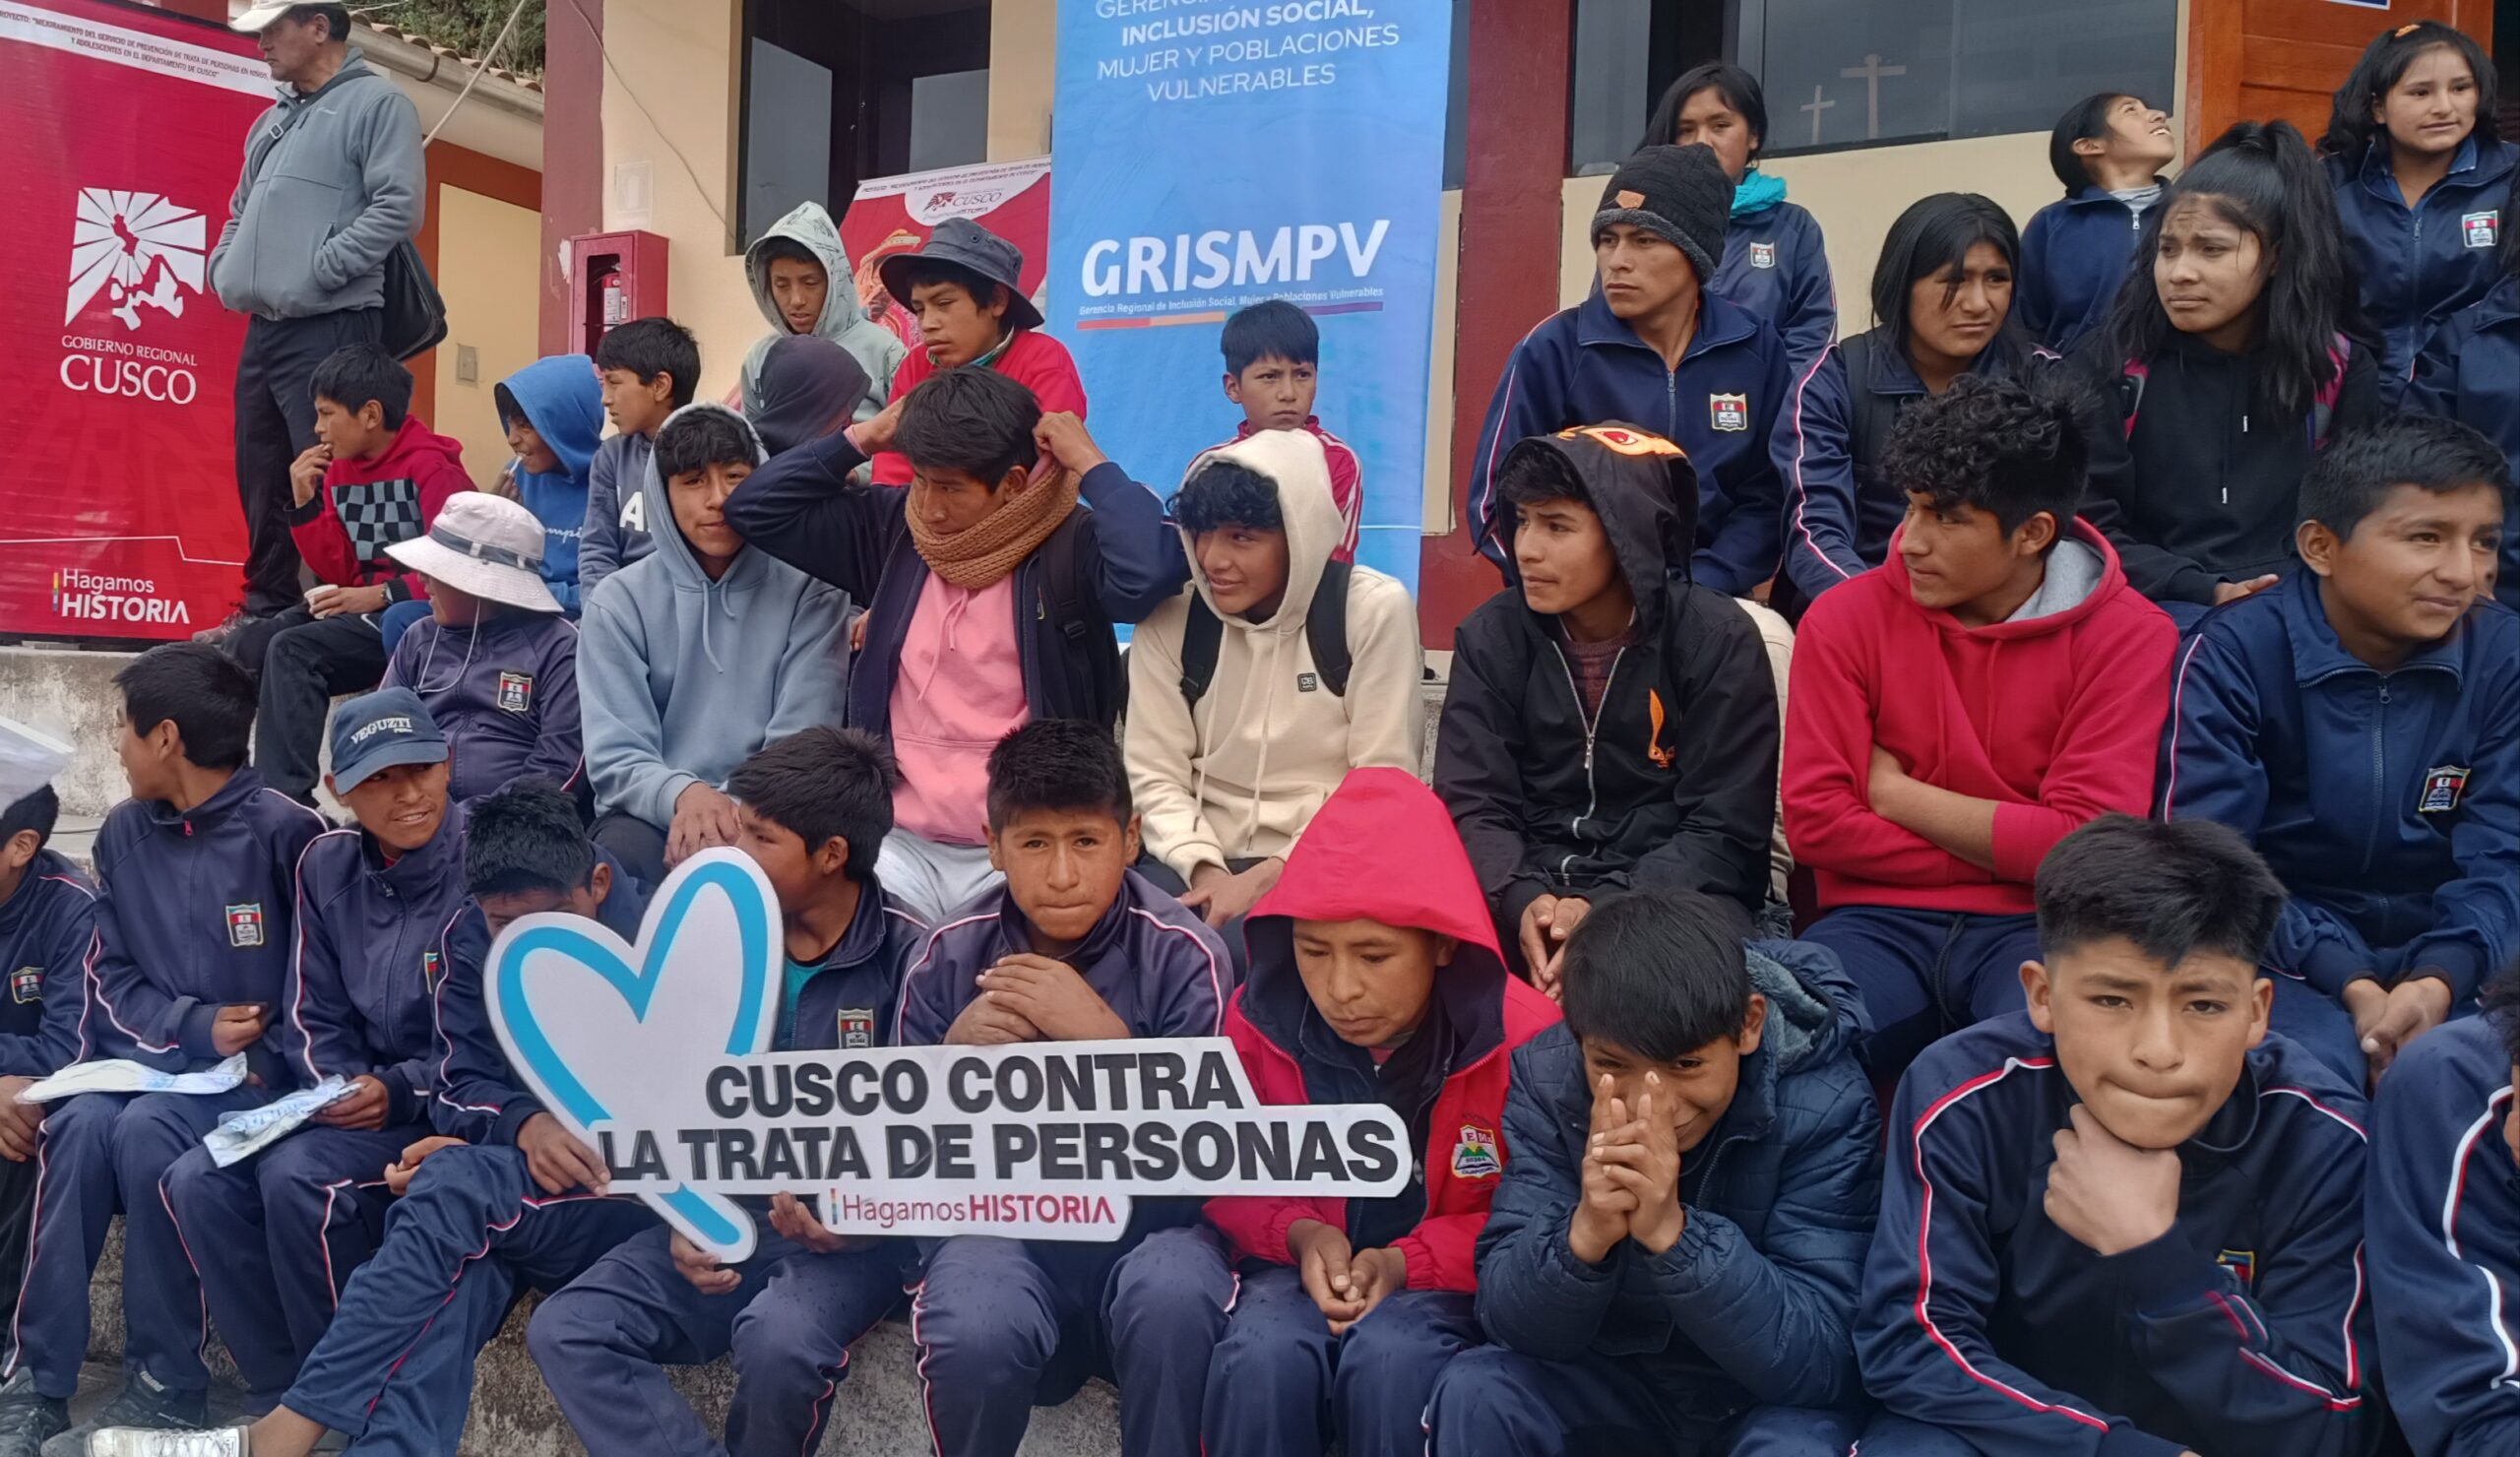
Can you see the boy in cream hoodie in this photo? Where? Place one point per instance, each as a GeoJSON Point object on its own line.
{"type": "Point", "coordinates": [1255, 692]}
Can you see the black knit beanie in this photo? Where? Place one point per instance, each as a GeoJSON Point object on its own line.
{"type": "Point", "coordinates": [1678, 194]}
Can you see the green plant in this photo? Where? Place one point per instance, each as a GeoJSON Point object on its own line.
{"type": "Point", "coordinates": [469, 27]}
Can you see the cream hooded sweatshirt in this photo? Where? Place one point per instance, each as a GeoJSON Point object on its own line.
{"type": "Point", "coordinates": [1241, 776]}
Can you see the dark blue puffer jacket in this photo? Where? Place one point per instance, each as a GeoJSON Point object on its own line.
{"type": "Point", "coordinates": [1755, 1304]}
{"type": "Point", "coordinates": [2417, 265]}
{"type": "Point", "coordinates": [2470, 372]}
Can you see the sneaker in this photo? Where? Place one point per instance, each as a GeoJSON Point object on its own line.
{"type": "Point", "coordinates": [142, 1441]}
{"type": "Point", "coordinates": [29, 1418]}
{"type": "Point", "coordinates": [142, 1404]}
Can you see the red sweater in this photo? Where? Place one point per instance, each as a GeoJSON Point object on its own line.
{"type": "Point", "coordinates": [1343, 869]}
{"type": "Point", "coordinates": [1347, 480]}
{"type": "Point", "coordinates": [366, 506]}
{"type": "Point", "coordinates": [1034, 360]}
{"type": "Point", "coordinates": [2057, 720]}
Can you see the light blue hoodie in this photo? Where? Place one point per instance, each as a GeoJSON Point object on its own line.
{"type": "Point", "coordinates": [563, 403]}
{"type": "Point", "coordinates": [681, 678]}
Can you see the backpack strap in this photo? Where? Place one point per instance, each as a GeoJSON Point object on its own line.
{"type": "Point", "coordinates": [1202, 636]}
{"type": "Point", "coordinates": [2131, 392]}
{"type": "Point", "coordinates": [2340, 352]}
{"type": "Point", "coordinates": [1325, 631]}
{"type": "Point", "coordinates": [1062, 579]}
{"type": "Point", "coordinates": [1869, 416]}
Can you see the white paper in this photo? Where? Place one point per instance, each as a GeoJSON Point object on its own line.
{"type": "Point", "coordinates": [243, 1133]}
{"type": "Point", "coordinates": [121, 1075]}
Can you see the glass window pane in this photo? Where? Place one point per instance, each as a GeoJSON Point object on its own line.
{"type": "Point", "coordinates": [1844, 73]}
{"type": "Point", "coordinates": [2021, 65]}
{"type": "Point", "coordinates": [1613, 46]}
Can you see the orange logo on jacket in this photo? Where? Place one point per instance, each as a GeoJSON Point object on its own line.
{"type": "Point", "coordinates": [1663, 758]}
{"type": "Point", "coordinates": [1626, 442]}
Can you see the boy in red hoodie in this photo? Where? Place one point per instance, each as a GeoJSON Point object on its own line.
{"type": "Point", "coordinates": [1373, 979]}
{"type": "Point", "coordinates": [376, 476]}
{"type": "Point", "coordinates": [1961, 708]}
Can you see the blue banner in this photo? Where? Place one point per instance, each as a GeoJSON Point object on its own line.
{"type": "Point", "coordinates": [1209, 154]}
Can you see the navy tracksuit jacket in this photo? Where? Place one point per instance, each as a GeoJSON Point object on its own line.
{"type": "Point", "coordinates": [993, 1317]}
{"type": "Point", "coordinates": [2444, 1213]}
{"type": "Point", "coordinates": [2074, 258]}
{"type": "Point", "coordinates": [504, 693]}
{"type": "Point", "coordinates": [2247, 1328]}
{"type": "Point", "coordinates": [2389, 804]}
{"type": "Point", "coordinates": [394, 1368]}
{"type": "Point", "coordinates": [1775, 266]}
{"type": "Point", "coordinates": [292, 1223]}
{"type": "Point", "coordinates": [194, 911]}
{"type": "Point", "coordinates": [45, 931]}
{"type": "Point", "coordinates": [2418, 266]}
{"type": "Point", "coordinates": [1586, 367]}
{"type": "Point", "coordinates": [605, 1340]}
{"type": "Point", "coordinates": [2470, 372]}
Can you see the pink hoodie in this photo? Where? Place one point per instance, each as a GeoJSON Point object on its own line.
{"type": "Point", "coordinates": [959, 691]}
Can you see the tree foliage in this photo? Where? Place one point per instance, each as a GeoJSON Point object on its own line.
{"type": "Point", "coordinates": [469, 27]}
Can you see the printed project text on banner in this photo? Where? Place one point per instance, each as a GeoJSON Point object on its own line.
{"type": "Point", "coordinates": [1214, 155]}
{"type": "Point", "coordinates": [897, 215]}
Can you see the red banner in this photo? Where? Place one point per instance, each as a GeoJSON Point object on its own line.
{"type": "Point", "coordinates": [895, 214]}
{"type": "Point", "coordinates": [121, 133]}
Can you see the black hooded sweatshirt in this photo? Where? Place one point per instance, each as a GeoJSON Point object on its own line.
{"type": "Point", "coordinates": [1673, 786]}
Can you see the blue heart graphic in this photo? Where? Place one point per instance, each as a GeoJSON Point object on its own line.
{"type": "Point", "coordinates": [710, 1220]}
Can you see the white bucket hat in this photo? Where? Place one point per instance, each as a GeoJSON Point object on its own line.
{"type": "Point", "coordinates": [256, 18]}
{"type": "Point", "coordinates": [486, 546]}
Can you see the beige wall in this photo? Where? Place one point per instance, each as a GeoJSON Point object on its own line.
{"type": "Point", "coordinates": [1023, 74]}
{"type": "Point", "coordinates": [486, 267]}
{"type": "Point", "coordinates": [676, 58]}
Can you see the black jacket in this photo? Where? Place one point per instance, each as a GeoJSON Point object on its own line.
{"type": "Point", "coordinates": [1673, 786]}
{"type": "Point", "coordinates": [2203, 485]}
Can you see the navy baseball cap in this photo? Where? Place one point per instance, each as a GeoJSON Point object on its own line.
{"type": "Point", "coordinates": [378, 731]}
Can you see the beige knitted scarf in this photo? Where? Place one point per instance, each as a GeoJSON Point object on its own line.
{"type": "Point", "coordinates": [983, 555]}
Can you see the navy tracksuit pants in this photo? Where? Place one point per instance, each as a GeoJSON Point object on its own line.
{"type": "Point", "coordinates": [1925, 974]}
{"type": "Point", "coordinates": [1004, 1325]}
{"type": "Point", "coordinates": [605, 1340]}
{"type": "Point", "coordinates": [1492, 1402]}
{"type": "Point", "coordinates": [395, 1371]}
{"type": "Point", "coordinates": [104, 1154]}
{"type": "Point", "coordinates": [1282, 1386]}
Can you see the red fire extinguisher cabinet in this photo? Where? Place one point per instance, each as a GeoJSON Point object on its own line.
{"type": "Point", "coordinates": [613, 278]}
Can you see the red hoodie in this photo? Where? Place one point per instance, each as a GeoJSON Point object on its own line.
{"type": "Point", "coordinates": [1346, 869]}
{"type": "Point", "coordinates": [366, 506]}
{"type": "Point", "coordinates": [1034, 360]}
{"type": "Point", "coordinates": [2057, 720]}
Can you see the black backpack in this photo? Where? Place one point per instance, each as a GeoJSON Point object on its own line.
{"type": "Point", "coordinates": [1325, 631]}
{"type": "Point", "coordinates": [1068, 601]}
{"type": "Point", "coordinates": [1874, 415]}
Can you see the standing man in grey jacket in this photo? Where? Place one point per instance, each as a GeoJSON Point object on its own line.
{"type": "Point", "coordinates": [332, 182]}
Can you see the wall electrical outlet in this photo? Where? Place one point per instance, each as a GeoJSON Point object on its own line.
{"type": "Point", "coordinates": [467, 364]}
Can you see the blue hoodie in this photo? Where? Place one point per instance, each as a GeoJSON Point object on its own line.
{"type": "Point", "coordinates": [2470, 372]}
{"type": "Point", "coordinates": [2417, 265]}
{"type": "Point", "coordinates": [2243, 1329]}
{"type": "Point", "coordinates": [1586, 367]}
{"type": "Point", "coordinates": [1776, 265]}
{"type": "Point", "coordinates": [2389, 804]}
{"type": "Point", "coordinates": [45, 930]}
{"type": "Point", "coordinates": [195, 910]}
{"type": "Point", "coordinates": [2074, 255]}
{"type": "Point", "coordinates": [563, 402]}
{"type": "Point", "coordinates": [368, 958]}
{"type": "Point", "coordinates": [2444, 1215]}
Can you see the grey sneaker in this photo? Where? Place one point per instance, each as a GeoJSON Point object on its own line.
{"type": "Point", "coordinates": [142, 1441]}
{"type": "Point", "coordinates": [142, 1404]}
{"type": "Point", "coordinates": [28, 1417]}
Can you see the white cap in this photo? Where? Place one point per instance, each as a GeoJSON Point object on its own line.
{"type": "Point", "coordinates": [29, 759]}
{"type": "Point", "coordinates": [484, 545]}
{"type": "Point", "coordinates": [258, 16]}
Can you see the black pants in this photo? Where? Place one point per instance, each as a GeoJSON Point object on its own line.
{"type": "Point", "coordinates": [304, 660]}
{"type": "Point", "coordinates": [640, 847]}
{"type": "Point", "coordinates": [274, 422]}
{"type": "Point", "coordinates": [16, 1217]}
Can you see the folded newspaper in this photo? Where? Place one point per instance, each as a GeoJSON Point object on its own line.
{"type": "Point", "coordinates": [243, 1134]}
{"type": "Point", "coordinates": [121, 1075]}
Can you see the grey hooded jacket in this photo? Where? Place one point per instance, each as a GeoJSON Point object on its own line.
{"type": "Point", "coordinates": [681, 678]}
{"type": "Point", "coordinates": [843, 322]}
{"type": "Point", "coordinates": [332, 182]}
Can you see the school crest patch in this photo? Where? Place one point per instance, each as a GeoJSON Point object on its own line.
{"type": "Point", "coordinates": [1475, 1155]}
{"type": "Point", "coordinates": [245, 924]}
{"type": "Point", "coordinates": [1763, 255]}
{"type": "Point", "coordinates": [25, 985]}
{"type": "Point", "coordinates": [431, 968]}
{"type": "Point", "coordinates": [516, 692]}
{"type": "Point", "coordinates": [2240, 1265]}
{"type": "Point", "coordinates": [2482, 229]}
{"type": "Point", "coordinates": [1729, 413]}
{"type": "Point", "coordinates": [856, 1028]}
{"type": "Point", "coordinates": [2443, 788]}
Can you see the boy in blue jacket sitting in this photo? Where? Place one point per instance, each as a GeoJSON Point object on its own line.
{"type": "Point", "coordinates": [816, 806]}
{"type": "Point", "coordinates": [194, 925]}
{"type": "Point", "coordinates": [48, 917]}
{"type": "Point", "coordinates": [1075, 946]}
{"type": "Point", "coordinates": [2127, 1219]}
{"type": "Point", "coordinates": [2361, 722]}
{"type": "Point", "coordinates": [373, 901]}
{"type": "Point", "coordinates": [501, 1198]}
{"type": "Point", "coordinates": [1675, 1251]}
{"type": "Point", "coordinates": [2444, 1215]}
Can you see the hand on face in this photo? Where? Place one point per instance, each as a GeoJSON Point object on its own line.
{"type": "Point", "coordinates": [1642, 1157]}
{"type": "Point", "coordinates": [2106, 1194]}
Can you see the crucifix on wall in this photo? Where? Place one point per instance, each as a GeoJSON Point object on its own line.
{"type": "Point", "coordinates": [1815, 106]}
{"type": "Point", "coordinates": [1871, 74]}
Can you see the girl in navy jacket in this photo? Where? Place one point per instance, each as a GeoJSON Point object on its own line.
{"type": "Point", "coordinates": [2232, 366]}
{"type": "Point", "coordinates": [2470, 372]}
{"type": "Point", "coordinates": [1943, 302]}
{"type": "Point", "coordinates": [2418, 183]}
{"type": "Point", "coordinates": [1775, 263]}
{"type": "Point", "coordinates": [2108, 151]}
